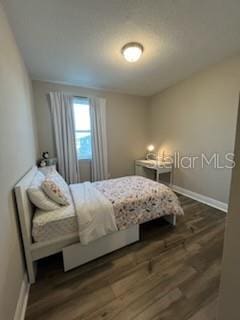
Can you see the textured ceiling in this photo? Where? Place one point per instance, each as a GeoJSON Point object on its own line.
{"type": "Point", "coordinates": [79, 41]}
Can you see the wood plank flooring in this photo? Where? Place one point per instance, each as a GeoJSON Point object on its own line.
{"type": "Point", "coordinates": [173, 273]}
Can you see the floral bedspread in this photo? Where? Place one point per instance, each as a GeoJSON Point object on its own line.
{"type": "Point", "coordinates": [137, 199]}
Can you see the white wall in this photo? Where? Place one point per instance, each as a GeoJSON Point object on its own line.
{"type": "Point", "coordinates": [126, 125]}
{"type": "Point", "coordinates": [230, 282]}
{"type": "Point", "coordinates": [199, 115]}
{"type": "Point", "coordinates": [17, 155]}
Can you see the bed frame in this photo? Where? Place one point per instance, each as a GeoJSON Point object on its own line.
{"type": "Point", "coordinates": [74, 254]}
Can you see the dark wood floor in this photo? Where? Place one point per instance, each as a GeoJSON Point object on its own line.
{"type": "Point", "coordinates": [173, 273]}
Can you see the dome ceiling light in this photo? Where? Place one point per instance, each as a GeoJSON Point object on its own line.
{"type": "Point", "coordinates": [132, 51]}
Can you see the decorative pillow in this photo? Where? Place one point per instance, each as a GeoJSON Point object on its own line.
{"type": "Point", "coordinates": [61, 181]}
{"type": "Point", "coordinates": [55, 188]}
{"type": "Point", "coordinates": [38, 197]}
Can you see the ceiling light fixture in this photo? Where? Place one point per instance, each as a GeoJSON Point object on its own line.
{"type": "Point", "coordinates": [132, 51]}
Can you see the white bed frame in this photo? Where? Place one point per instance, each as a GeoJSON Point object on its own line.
{"type": "Point", "coordinates": [74, 254]}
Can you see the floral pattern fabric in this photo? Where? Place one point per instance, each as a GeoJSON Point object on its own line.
{"type": "Point", "coordinates": [53, 187]}
{"type": "Point", "coordinates": [137, 199]}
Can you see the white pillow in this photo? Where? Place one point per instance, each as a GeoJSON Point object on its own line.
{"type": "Point", "coordinates": [60, 180]}
{"type": "Point", "coordinates": [57, 189]}
{"type": "Point", "coordinates": [38, 197]}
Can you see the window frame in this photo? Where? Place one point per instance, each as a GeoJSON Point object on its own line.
{"type": "Point", "coordinates": [82, 101]}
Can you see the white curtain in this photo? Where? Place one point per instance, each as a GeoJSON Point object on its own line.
{"type": "Point", "coordinates": [61, 105]}
{"type": "Point", "coordinates": [99, 165]}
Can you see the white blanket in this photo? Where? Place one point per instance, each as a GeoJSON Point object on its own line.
{"type": "Point", "coordinates": [94, 212]}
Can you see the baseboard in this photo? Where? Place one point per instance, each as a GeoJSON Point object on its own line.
{"type": "Point", "coordinates": [22, 300]}
{"type": "Point", "coordinates": [201, 198]}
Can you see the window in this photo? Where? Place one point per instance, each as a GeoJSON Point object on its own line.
{"type": "Point", "coordinates": [82, 128]}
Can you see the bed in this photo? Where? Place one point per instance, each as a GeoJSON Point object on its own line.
{"type": "Point", "coordinates": [135, 200]}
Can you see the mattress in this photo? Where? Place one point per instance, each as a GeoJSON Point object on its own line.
{"type": "Point", "coordinates": [49, 225]}
{"type": "Point", "coordinates": [135, 200]}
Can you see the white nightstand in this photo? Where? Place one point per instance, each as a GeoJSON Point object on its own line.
{"type": "Point", "coordinates": [48, 169]}
{"type": "Point", "coordinates": [159, 167]}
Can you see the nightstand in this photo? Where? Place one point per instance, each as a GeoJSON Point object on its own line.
{"type": "Point", "coordinates": [160, 167]}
